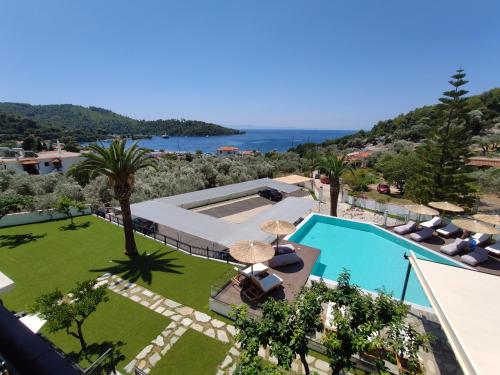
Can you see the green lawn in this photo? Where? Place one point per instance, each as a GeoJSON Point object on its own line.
{"type": "Point", "coordinates": [193, 354]}
{"type": "Point", "coordinates": [41, 257]}
{"type": "Point", "coordinates": [395, 199]}
{"type": "Point", "coordinates": [121, 322]}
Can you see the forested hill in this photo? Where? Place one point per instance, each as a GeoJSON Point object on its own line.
{"type": "Point", "coordinates": [483, 113]}
{"type": "Point", "coordinates": [87, 124]}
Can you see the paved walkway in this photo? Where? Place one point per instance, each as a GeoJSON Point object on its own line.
{"type": "Point", "coordinates": [184, 318]}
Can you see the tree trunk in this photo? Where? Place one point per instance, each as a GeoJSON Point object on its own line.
{"type": "Point", "coordinates": [334, 195]}
{"type": "Point", "coordinates": [80, 334]}
{"type": "Point", "coordinates": [304, 363]}
{"type": "Point", "coordinates": [128, 228]}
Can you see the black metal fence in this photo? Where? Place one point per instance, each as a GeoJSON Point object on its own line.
{"type": "Point", "coordinates": [104, 365]}
{"type": "Point", "coordinates": [151, 231]}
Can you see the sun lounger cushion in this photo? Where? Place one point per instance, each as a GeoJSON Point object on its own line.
{"type": "Point", "coordinates": [284, 259]}
{"type": "Point", "coordinates": [406, 228]}
{"type": "Point", "coordinates": [448, 230]}
{"type": "Point", "coordinates": [494, 249]}
{"type": "Point", "coordinates": [479, 255]}
{"type": "Point", "coordinates": [284, 249]}
{"type": "Point", "coordinates": [454, 248]}
{"type": "Point", "coordinates": [479, 237]}
{"type": "Point", "coordinates": [270, 282]}
{"type": "Point", "coordinates": [422, 234]}
{"type": "Point", "coordinates": [258, 268]}
{"type": "Point", "coordinates": [432, 223]}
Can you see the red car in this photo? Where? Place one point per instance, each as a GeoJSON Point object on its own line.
{"type": "Point", "coordinates": [324, 180]}
{"type": "Point", "coordinates": [383, 189]}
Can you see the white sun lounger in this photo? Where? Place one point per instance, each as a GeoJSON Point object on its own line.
{"type": "Point", "coordinates": [454, 248]}
{"type": "Point", "coordinates": [448, 230]}
{"type": "Point", "coordinates": [258, 268]}
{"type": "Point", "coordinates": [475, 257]}
{"type": "Point", "coordinates": [494, 249]}
{"type": "Point", "coordinates": [479, 238]}
{"type": "Point", "coordinates": [269, 282]}
{"type": "Point", "coordinates": [432, 223]}
{"type": "Point", "coordinates": [410, 226]}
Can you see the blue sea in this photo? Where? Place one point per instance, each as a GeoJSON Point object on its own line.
{"type": "Point", "coordinates": [263, 140]}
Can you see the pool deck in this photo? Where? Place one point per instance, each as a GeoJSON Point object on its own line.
{"type": "Point", "coordinates": [491, 266]}
{"type": "Point", "coordinates": [294, 278]}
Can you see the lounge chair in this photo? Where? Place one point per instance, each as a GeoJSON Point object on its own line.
{"type": "Point", "coordinates": [258, 268]}
{"type": "Point", "coordinates": [480, 238]}
{"type": "Point", "coordinates": [409, 227]}
{"type": "Point", "coordinates": [260, 287]}
{"type": "Point", "coordinates": [422, 234]}
{"type": "Point", "coordinates": [494, 249]}
{"type": "Point", "coordinates": [475, 257]}
{"type": "Point", "coordinates": [432, 223]}
{"type": "Point", "coordinates": [448, 230]}
{"type": "Point", "coordinates": [284, 249]}
{"type": "Point", "coordinates": [454, 248]}
{"type": "Point", "coordinates": [284, 260]}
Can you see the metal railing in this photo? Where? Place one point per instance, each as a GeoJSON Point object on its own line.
{"type": "Point", "coordinates": [191, 249]}
{"type": "Point", "coordinates": [105, 364]}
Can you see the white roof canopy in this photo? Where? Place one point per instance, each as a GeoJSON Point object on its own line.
{"type": "Point", "coordinates": [467, 303]}
{"type": "Point", "coordinates": [6, 284]}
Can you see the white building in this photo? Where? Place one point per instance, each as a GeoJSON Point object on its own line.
{"type": "Point", "coordinates": [37, 163]}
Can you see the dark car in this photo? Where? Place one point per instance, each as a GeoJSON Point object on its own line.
{"type": "Point", "coordinates": [145, 226]}
{"type": "Point", "coordinates": [383, 189]}
{"type": "Point", "coordinates": [271, 194]}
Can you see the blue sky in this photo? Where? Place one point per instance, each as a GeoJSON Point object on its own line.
{"type": "Point", "coordinates": [268, 63]}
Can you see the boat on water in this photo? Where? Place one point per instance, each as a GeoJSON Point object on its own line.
{"type": "Point", "coordinates": [165, 136]}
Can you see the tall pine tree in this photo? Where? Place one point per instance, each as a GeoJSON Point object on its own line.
{"type": "Point", "coordinates": [443, 176]}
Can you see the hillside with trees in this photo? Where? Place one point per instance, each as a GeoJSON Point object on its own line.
{"type": "Point", "coordinates": [18, 121]}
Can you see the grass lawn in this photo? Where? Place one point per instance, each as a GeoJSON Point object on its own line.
{"type": "Point", "coordinates": [395, 199]}
{"type": "Point", "coordinates": [126, 324]}
{"type": "Point", "coordinates": [194, 354]}
{"type": "Point", "coordinates": [43, 256]}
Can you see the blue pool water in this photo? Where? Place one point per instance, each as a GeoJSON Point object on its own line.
{"type": "Point", "coordinates": [374, 256]}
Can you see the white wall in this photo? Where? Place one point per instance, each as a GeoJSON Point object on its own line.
{"type": "Point", "coordinates": [35, 217]}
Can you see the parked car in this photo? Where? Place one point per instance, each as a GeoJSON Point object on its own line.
{"type": "Point", "coordinates": [145, 226]}
{"type": "Point", "coordinates": [271, 194]}
{"type": "Point", "coordinates": [324, 179]}
{"type": "Point", "coordinates": [383, 189]}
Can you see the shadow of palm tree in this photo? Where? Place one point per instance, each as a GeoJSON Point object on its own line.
{"type": "Point", "coordinates": [142, 266]}
{"type": "Point", "coordinates": [93, 351]}
{"type": "Point", "coordinates": [75, 226]}
{"type": "Point", "coordinates": [12, 241]}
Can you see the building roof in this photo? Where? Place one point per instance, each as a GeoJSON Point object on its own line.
{"type": "Point", "coordinates": [480, 161]}
{"type": "Point", "coordinates": [228, 148]}
{"type": "Point", "coordinates": [56, 154]}
{"type": "Point", "coordinates": [293, 179]}
{"type": "Point", "coordinates": [6, 283]}
{"type": "Point", "coordinates": [359, 155]}
{"type": "Point", "coordinates": [467, 303]}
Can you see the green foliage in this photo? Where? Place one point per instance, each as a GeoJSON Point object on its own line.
{"type": "Point", "coordinates": [334, 167]}
{"type": "Point", "coordinates": [399, 168]}
{"type": "Point", "coordinates": [359, 179]}
{"type": "Point", "coordinates": [65, 204]}
{"type": "Point", "coordinates": [89, 124]}
{"type": "Point", "coordinates": [443, 175]}
{"type": "Point", "coordinates": [65, 312]}
{"type": "Point", "coordinates": [487, 180]}
{"type": "Point", "coordinates": [13, 203]}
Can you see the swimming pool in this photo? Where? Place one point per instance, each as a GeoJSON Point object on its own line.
{"type": "Point", "coordinates": [374, 256]}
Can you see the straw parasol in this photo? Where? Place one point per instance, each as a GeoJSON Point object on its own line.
{"type": "Point", "coordinates": [474, 226]}
{"type": "Point", "coordinates": [446, 206]}
{"type": "Point", "coordinates": [420, 209]}
{"type": "Point", "coordinates": [251, 252]}
{"type": "Point", "coordinates": [491, 219]}
{"type": "Point", "coordinates": [277, 227]}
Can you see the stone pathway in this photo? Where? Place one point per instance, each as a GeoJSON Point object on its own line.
{"type": "Point", "coordinates": [183, 318]}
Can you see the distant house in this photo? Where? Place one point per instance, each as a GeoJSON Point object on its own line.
{"type": "Point", "coordinates": [249, 152]}
{"type": "Point", "coordinates": [37, 163]}
{"type": "Point", "coordinates": [227, 150]}
{"type": "Point", "coordinates": [359, 157]}
{"type": "Point", "coordinates": [479, 161]}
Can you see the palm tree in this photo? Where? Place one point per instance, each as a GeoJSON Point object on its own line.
{"type": "Point", "coordinates": [334, 166]}
{"type": "Point", "coordinates": [120, 166]}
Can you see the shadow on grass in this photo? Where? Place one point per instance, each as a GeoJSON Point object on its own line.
{"type": "Point", "coordinates": [142, 266]}
{"type": "Point", "coordinates": [93, 351]}
{"type": "Point", "coordinates": [74, 226]}
{"type": "Point", "coordinates": [12, 241]}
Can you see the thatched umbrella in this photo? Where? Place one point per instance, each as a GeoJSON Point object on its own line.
{"type": "Point", "coordinates": [277, 227]}
{"type": "Point", "coordinates": [420, 209]}
{"type": "Point", "coordinates": [251, 252]}
{"type": "Point", "coordinates": [475, 226]}
{"type": "Point", "coordinates": [446, 206]}
{"type": "Point", "coordinates": [491, 219]}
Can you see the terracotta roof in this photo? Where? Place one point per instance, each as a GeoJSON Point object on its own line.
{"type": "Point", "coordinates": [360, 155]}
{"type": "Point", "coordinates": [228, 148]}
{"type": "Point", "coordinates": [55, 154]}
{"type": "Point", "coordinates": [479, 161]}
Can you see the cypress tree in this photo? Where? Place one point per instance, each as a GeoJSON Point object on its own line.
{"type": "Point", "coordinates": [443, 176]}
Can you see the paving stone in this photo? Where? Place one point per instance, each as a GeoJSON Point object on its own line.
{"type": "Point", "coordinates": [321, 365]}
{"type": "Point", "coordinates": [160, 309]}
{"type": "Point", "coordinates": [184, 310]}
{"type": "Point", "coordinates": [145, 303]}
{"type": "Point", "coordinates": [234, 351]}
{"type": "Point", "coordinates": [197, 327]}
{"type": "Point", "coordinates": [144, 352]}
{"type": "Point", "coordinates": [135, 298]}
{"type": "Point", "coordinates": [156, 297]}
{"type": "Point", "coordinates": [217, 323]}
{"type": "Point", "coordinates": [176, 318]}
{"type": "Point", "coordinates": [155, 305]}
{"type": "Point", "coordinates": [232, 369]}
{"type": "Point", "coordinates": [231, 329]}
{"type": "Point", "coordinates": [201, 317]}
{"type": "Point", "coordinates": [172, 325]}
{"type": "Point", "coordinates": [130, 366]}
{"type": "Point", "coordinates": [310, 359]}
{"type": "Point", "coordinates": [171, 303]}
{"type": "Point", "coordinates": [186, 322]}
{"type": "Point", "coordinates": [220, 372]}
{"type": "Point", "coordinates": [210, 332]}
{"type": "Point", "coordinates": [147, 293]}
{"type": "Point", "coordinates": [173, 340]}
{"type": "Point", "coordinates": [165, 349]}
{"type": "Point", "coordinates": [159, 341]}
{"type": "Point", "coordinates": [135, 290]}
{"type": "Point", "coordinates": [142, 364]}
{"type": "Point", "coordinates": [147, 370]}
{"type": "Point", "coordinates": [100, 283]}
{"type": "Point", "coordinates": [168, 313]}
{"type": "Point", "coordinates": [153, 360]}
{"type": "Point", "coordinates": [222, 335]}
{"type": "Point", "coordinates": [104, 277]}
{"type": "Point", "coordinates": [180, 331]}
{"type": "Point", "coordinates": [273, 360]}
{"type": "Point", "coordinates": [295, 366]}
{"type": "Point", "coordinates": [227, 361]}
